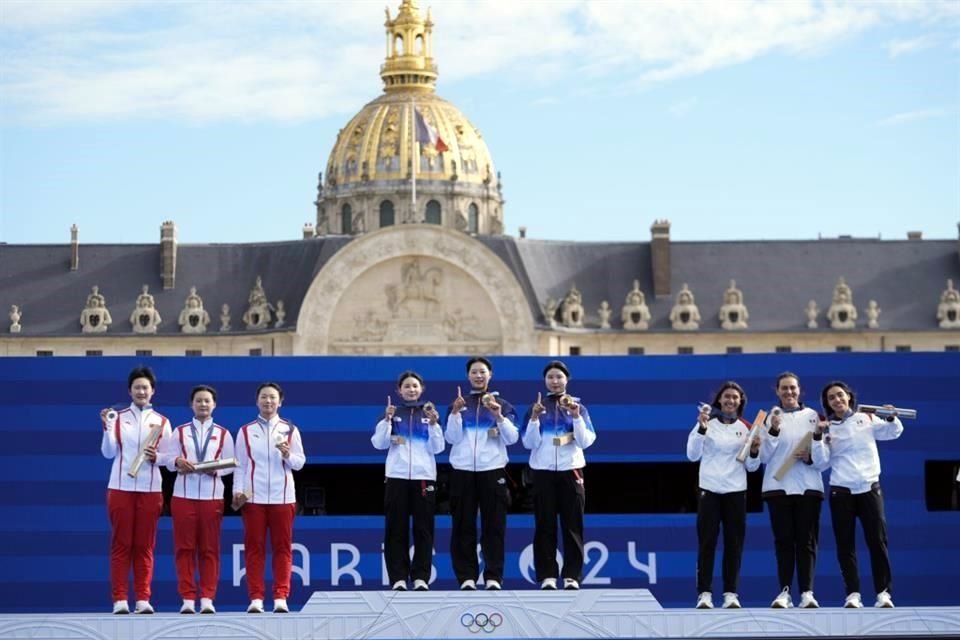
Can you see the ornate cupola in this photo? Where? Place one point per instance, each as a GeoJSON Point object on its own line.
{"type": "Point", "coordinates": [409, 64]}
{"type": "Point", "coordinates": [409, 156]}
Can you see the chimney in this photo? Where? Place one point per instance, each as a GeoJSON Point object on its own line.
{"type": "Point", "coordinates": [523, 232]}
{"type": "Point", "coordinates": [168, 254]}
{"type": "Point", "coordinates": [307, 231]}
{"type": "Point", "coordinates": [74, 248]}
{"type": "Point", "coordinates": [660, 257]}
{"type": "Point", "coordinates": [914, 235]}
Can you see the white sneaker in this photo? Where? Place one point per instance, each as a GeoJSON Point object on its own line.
{"type": "Point", "coordinates": [884, 601]}
{"type": "Point", "coordinates": [705, 600]}
{"type": "Point", "coordinates": [121, 606]}
{"type": "Point", "coordinates": [549, 584]}
{"type": "Point", "coordinates": [399, 585]}
{"type": "Point", "coordinates": [143, 606]}
{"type": "Point", "coordinates": [493, 585]}
{"type": "Point", "coordinates": [853, 601]}
{"type": "Point", "coordinates": [569, 584]}
{"type": "Point", "coordinates": [280, 604]}
{"type": "Point", "coordinates": [188, 606]}
{"type": "Point", "coordinates": [206, 605]}
{"type": "Point", "coordinates": [730, 600]}
{"type": "Point", "coordinates": [807, 601]}
{"type": "Point", "coordinates": [256, 606]}
{"type": "Point", "coordinates": [783, 600]}
{"type": "Point", "coordinates": [468, 585]}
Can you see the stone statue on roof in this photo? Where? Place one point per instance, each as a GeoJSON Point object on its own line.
{"type": "Point", "coordinates": [604, 312]}
{"type": "Point", "coordinates": [873, 315]}
{"type": "Point", "coordinates": [685, 316]}
{"type": "Point", "coordinates": [811, 311]}
{"type": "Point", "coordinates": [842, 314]}
{"type": "Point", "coordinates": [193, 318]}
{"type": "Point", "coordinates": [571, 309]}
{"type": "Point", "coordinates": [733, 313]}
{"type": "Point", "coordinates": [15, 316]}
{"type": "Point", "coordinates": [225, 317]}
{"type": "Point", "coordinates": [95, 317]}
{"type": "Point", "coordinates": [948, 311]}
{"type": "Point", "coordinates": [635, 314]}
{"type": "Point", "coordinates": [259, 311]}
{"type": "Point", "coordinates": [145, 318]}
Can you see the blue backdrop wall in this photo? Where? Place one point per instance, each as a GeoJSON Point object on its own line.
{"type": "Point", "coordinates": [54, 536]}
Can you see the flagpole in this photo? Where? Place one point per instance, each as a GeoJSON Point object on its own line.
{"type": "Point", "coordinates": [415, 160]}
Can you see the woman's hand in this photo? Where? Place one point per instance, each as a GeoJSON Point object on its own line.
{"type": "Point", "coordinates": [389, 412]}
{"type": "Point", "coordinates": [183, 465]}
{"type": "Point", "coordinates": [537, 407]}
{"type": "Point", "coordinates": [458, 403]}
{"type": "Point", "coordinates": [239, 499]}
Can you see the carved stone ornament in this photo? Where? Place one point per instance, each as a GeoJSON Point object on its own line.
{"type": "Point", "coordinates": [733, 313]}
{"type": "Point", "coordinates": [842, 314]}
{"type": "Point", "coordinates": [259, 311]}
{"type": "Point", "coordinates": [604, 312]}
{"type": "Point", "coordinates": [948, 311]}
{"type": "Point", "coordinates": [281, 315]}
{"type": "Point", "coordinates": [873, 315]}
{"type": "Point", "coordinates": [811, 311]}
{"type": "Point", "coordinates": [15, 319]}
{"type": "Point", "coordinates": [145, 318]}
{"type": "Point", "coordinates": [685, 316]}
{"type": "Point", "coordinates": [571, 309]}
{"type": "Point", "coordinates": [225, 318]}
{"type": "Point", "coordinates": [95, 317]}
{"type": "Point", "coordinates": [193, 318]}
{"type": "Point", "coordinates": [635, 314]}
{"type": "Point", "coordinates": [550, 308]}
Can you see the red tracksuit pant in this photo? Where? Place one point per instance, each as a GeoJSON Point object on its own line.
{"type": "Point", "coordinates": [257, 520]}
{"type": "Point", "coordinates": [196, 536]}
{"type": "Point", "coordinates": [133, 520]}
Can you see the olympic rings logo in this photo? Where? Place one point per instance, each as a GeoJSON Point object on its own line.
{"type": "Point", "coordinates": [475, 623]}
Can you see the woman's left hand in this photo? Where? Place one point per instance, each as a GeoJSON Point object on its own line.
{"type": "Point", "coordinates": [151, 453]}
{"type": "Point", "coordinates": [284, 448]}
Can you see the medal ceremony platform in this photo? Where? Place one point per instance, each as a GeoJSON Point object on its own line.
{"type": "Point", "coordinates": [588, 613]}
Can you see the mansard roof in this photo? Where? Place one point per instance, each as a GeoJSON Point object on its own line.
{"type": "Point", "coordinates": [778, 278]}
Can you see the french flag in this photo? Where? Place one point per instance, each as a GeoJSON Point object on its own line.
{"type": "Point", "coordinates": [426, 134]}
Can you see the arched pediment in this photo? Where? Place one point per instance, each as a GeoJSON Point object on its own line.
{"type": "Point", "coordinates": [415, 290]}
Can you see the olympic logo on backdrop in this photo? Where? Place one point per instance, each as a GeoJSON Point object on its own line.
{"type": "Point", "coordinates": [486, 622]}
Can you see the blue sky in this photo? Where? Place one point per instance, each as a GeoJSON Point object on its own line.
{"type": "Point", "coordinates": [734, 120]}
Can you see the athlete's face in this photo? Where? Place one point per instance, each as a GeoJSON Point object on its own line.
{"type": "Point", "coordinates": [788, 390]}
{"type": "Point", "coordinates": [479, 376]}
{"type": "Point", "coordinates": [268, 402]}
{"type": "Point", "coordinates": [203, 405]}
{"type": "Point", "coordinates": [410, 389]}
{"type": "Point", "coordinates": [555, 381]}
{"type": "Point", "coordinates": [141, 391]}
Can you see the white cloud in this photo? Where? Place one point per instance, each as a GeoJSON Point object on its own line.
{"type": "Point", "coordinates": [289, 60]}
{"type": "Point", "coordinates": [897, 48]}
{"type": "Point", "coordinates": [912, 116]}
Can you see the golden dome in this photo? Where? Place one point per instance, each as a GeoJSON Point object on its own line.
{"type": "Point", "coordinates": [374, 155]}
{"type": "Point", "coordinates": [378, 144]}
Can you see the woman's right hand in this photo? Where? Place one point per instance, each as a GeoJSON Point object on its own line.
{"type": "Point", "coordinates": [458, 403]}
{"type": "Point", "coordinates": [183, 465]}
{"type": "Point", "coordinates": [775, 419]}
{"type": "Point", "coordinates": [389, 411]}
{"type": "Point", "coordinates": [702, 418]}
{"type": "Point", "coordinates": [239, 499]}
{"type": "Point", "coordinates": [538, 407]}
